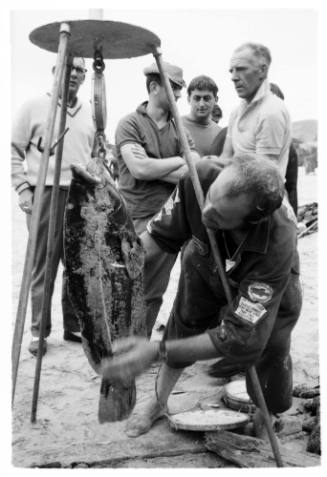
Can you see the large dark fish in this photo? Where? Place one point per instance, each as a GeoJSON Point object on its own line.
{"type": "Point", "coordinates": [104, 263]}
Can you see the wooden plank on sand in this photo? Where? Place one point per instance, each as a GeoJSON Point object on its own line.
{"type": "Point", "coordinates": [245, 451]}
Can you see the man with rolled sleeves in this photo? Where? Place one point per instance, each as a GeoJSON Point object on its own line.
{"type": "Point", "coordinates": [256, 233]}
{"type": "Point", "coordinates": [150, 162]}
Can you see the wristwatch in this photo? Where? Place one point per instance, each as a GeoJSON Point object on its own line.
{"type": "Point", "coordinates": [162, 353]}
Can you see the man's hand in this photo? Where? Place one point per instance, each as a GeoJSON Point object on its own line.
{"type": "Point", "coordinates": [131, 357]}
{"type": "Point", "coordinates": [221, 161]}
{"type": "Point", "coordinates": [25, 201]}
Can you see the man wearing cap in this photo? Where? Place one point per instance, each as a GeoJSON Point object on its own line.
{"type": "Point", "coordinates": [261, 123]}
{"type": "Point", "coordinates": [150, 162]}
{"type": "Point", "coordinates": [28, 128]}
{"type": "Point", "coordinates": [202, 98]}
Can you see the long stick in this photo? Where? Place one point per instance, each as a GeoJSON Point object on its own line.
{"type": "Point", "coordinates": [36, 212]}
{"type": "Point", "coordinates": [46, 299]}
{"type": "Point", "coordinates": [213, 243]}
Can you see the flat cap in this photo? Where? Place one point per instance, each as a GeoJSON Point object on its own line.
{"type": "Point", "coordinates": [174, 73]}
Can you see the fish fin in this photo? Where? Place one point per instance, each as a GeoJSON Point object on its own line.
{"type": "Point", "coordinates": [116, 401]}
{"type": "Point", "coordinates": [133, 257]}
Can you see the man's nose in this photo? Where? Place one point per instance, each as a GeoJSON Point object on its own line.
{"type": "Point", "coordinates": [234, 76]}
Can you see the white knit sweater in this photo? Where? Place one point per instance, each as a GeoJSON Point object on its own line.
{"type": "Point", "coordinates": [29, 126]}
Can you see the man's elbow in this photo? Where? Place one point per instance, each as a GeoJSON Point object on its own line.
{"type": "Point", "coordinates": [140, 173]}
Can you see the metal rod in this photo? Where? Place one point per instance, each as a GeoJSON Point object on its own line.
{"type": "Point", "coordinates": [213, 243]}
{"type": "Point", "coordinates": [36, 211]}
{"type": "Point", "coordinates": [46, 299]}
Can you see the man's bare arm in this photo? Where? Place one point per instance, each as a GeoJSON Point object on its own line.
{"type": "Point", "coordinates": [174, 176]}
{"type": "Point", "coordinates": [145, 168]}
{"type": "Point", "coordinates": [228, 150]}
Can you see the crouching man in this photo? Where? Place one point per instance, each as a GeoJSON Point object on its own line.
{"type": "Point", "coordinates": [256, 233]}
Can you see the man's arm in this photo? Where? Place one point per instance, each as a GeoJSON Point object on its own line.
{"type": "Point", "coordinates": [145, 168]}
{"type": "Point", "coordinates": [19, 144]}
{"type": "Point", "coordinates": [134, 354]}
{"type": "Point", "coordinates": [174, 176]}
{"type": "Point", "coordinates": [228, 150]}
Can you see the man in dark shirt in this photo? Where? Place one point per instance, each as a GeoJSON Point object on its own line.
{"type": "Point", "coordinates": [257, 235]}
{"type": "Point", "coordinates": [150, 161]}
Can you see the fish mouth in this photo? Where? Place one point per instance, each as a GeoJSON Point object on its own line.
{"type": "Point", "coordinates": [84, 174]}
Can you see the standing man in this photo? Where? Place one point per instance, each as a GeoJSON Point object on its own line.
{"type": "Point", "coordinates": [150, 162]}
{"type": "Point", "coordinates": [28, 128]}
{"type": "Point", "coordinates": [260, 124]}
{"type": "Point", "coordinates": [202, 98]}
{"type": "Point", "coordinates": [257, 237]}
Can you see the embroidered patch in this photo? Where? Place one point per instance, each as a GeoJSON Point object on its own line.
{"type": "Point", "coordinates": [260, 292]}
{"type": "Point", "coordinates": [249, 311]}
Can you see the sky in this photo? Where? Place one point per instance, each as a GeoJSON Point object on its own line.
{"type": "Point", "coordinates": [200, 40]}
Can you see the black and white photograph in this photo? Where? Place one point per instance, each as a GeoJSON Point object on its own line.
{"type": "Point", "coordinates": [164, 283]}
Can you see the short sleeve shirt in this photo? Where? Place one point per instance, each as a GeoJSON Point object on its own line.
{"type": "Point", "coordinates": [262, 127]}
{"type": "Point", "coordinates": [145, 198]}
{"type": "Point", "coordinates": [203, 135]}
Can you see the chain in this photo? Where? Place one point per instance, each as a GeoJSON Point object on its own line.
{"type": "Point", "coordinates": [98, 63]}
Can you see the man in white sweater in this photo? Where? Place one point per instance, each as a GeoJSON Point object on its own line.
{"type": "Point", "coordinates": [28, 127]}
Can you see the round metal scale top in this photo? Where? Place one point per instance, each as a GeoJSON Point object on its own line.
{"type": "Point", "coordinates": [116, 39]}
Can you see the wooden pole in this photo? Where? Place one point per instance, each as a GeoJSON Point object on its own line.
{"type": "Point", "coordinates": [46, 299]}
{"type": "Point", "coordinates": [36, 211]}
{"type": "Point", "coordinates": [213, 243]}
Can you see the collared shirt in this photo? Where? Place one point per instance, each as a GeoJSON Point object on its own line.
{"type": "Point", "coordinates": [258, 265]}
{"type": "Point", "coordinates": [145, 197]}
{"type": "Point", "coordinates": [262, 127]}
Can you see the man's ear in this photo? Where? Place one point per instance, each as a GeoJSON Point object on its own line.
{"type": "Point", "coordinates": [153, 86]}
{"type": "Point", "coordinates": [264, 70]}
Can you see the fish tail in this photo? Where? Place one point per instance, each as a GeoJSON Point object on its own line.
{"type": "Point", "coordinates": [116, 401]}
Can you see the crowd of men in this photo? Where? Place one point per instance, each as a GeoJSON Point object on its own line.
{"type": "Point", "coordinates": [244, 170]}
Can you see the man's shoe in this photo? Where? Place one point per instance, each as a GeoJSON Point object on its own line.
{"type": "Point", "coordinates": [34, 347]}
{"type": "Point", "coordinates": [71, 336]}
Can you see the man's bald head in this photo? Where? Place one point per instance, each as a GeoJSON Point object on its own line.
{"type": "Point", "coordinates": [247, 190]}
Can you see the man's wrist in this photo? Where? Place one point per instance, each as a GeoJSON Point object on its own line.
{"type": "Point", "coordinates": [161, 351]}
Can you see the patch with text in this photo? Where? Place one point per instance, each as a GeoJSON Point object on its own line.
{"type": "Point", "coordinates": [249, 311]}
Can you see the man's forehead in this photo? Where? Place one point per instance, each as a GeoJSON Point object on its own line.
{"type": "Point", "coordinates": [202, 92]}
{"type": "Point", "coordinates": [244, 57]}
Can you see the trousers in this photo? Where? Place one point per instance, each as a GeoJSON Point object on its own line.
{"type": "Point", "coordinates": [156, 278]}
{"type": "Point", "coordinates": [70, 321]}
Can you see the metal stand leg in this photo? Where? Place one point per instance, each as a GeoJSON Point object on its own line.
{"type": "Point", "coordinates": [35, 219]}
{"type": "Point", "coordinates": [213, 243]}
{"type": "Point", "coordinates": [51, 233]}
